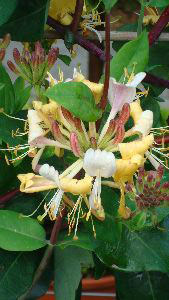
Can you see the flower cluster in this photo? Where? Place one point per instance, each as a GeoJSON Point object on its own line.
{"type": "Point", "coordinates": [97, 154]}
{"type": "Point", "coordinates": [149, 190]}
{"type": "Point", "coordinates": [33, 66]}
{"type": "Point", "coordinates": [3, 45]}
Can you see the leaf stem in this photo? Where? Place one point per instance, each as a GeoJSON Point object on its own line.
{"type": "Point", "coordinates": [91, 47]}
{"type": "Point", "coordinates": [77, 15]}
{"type": "Point", "coordinates": [48, 253]}
{"type": "Point", "coordinates": [7, 196]}
{"type": "Point", "coordinates": [159, 26]}
{"type": "Point", "coordinates": [103, 101]}
{"type": "Point", "coordinates": [86, 44]}
{"type": "Point", "coordinates": [140, 19]}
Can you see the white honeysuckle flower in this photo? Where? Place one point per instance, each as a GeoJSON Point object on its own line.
{"type": "Point", "coordinates": [52, 207]}
{"type": "Point", "coordinates": [144, 123]}
{"type": "Point", "coordinates": [35, 130]}
{"type": "Point", "coordinates": [118, 95]}
{"type": "Point", "coordinates": [98, 164]}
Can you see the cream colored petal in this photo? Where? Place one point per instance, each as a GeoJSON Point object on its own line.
{"type": "Point", "coordinates": [135, 111]}
{"type": "Point", "coordinates": [31, 183]}
{"type": "Point", "coordinates": [125, 168]}
{"type": "Point", "coordinates": [76, 187]}
{"type": "Point", "coordinates": [127, 150]}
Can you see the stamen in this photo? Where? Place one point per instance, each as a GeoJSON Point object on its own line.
{"type": "Point", "coordinates": [27, 216]}
{"type": "Point", "coordinates": [14, 117]}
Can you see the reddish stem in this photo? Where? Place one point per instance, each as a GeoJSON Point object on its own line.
{"type": "Point", "coordinates": [103, 101]}
{"type": "Point", "coordinates": [7, 196]}
{"type": "Point", "coordinates": [77, 15]}
{"type": "Point", "coordinates": [152, 79]}
{"type": "Point", "coordinates": [57, 226]}
{"type": "Point", "coordinates": [160, 140]}
{"type": "Point", "coordinates": [159, 26]}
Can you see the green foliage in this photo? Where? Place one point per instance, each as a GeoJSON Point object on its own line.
{"type": "Point", "coordinates": [16, 272]}
{"type": "Point", "coordinates": [109, 4]}
{"type": "Point", "coordinates": [68, 264]}
{"type": "Point", "coordinates": [22, 94]}
{"type": "Point", "coordinates": [158, 3]}
{"type": "Point", "coordinates": [12, 97]}
{"type": "Point", "coordinates": [7, 9]}
{"type": "Point", "coordinates": [138, 286]}
{"type": "Point", "coordinates": [138, 251]}
{"type": "Point", "coordinates": [66, 59]}
{"type": "Point", "coordinates": [77, 98]}
{"type": "Point", "coordinates": [18, 233]}
{"type": "Point", "coordinates": [129, 56]}
{"type": "Point", "coordinates": [24, 20]}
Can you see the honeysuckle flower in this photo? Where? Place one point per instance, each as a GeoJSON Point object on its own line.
{"type": "Point", "coordinates": [119, 94]}
{"type": "Point", "coordinates": [98, 164]}
{"type": "Point", "coordinates": [61, 11]}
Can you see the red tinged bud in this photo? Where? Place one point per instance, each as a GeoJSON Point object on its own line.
{"type": "Point", "coordinates": [120, 133]}
{"type": "Point", "coordinates": [165, 185]}
{"type": "Point", "coordinates": [12, 67]}
{"type": "Point", "coordinates": [16, 56]}
{"type": "Point", "coordinates": [160, 171]}
{"type": "Point", "coordinates": [124, 114]}
{"type": "Point", "coordinates": [74, 143]}
{"type": "Point", "coordinates": [2, 54]}
{"type": "Point", "coordinates": [52, 57]}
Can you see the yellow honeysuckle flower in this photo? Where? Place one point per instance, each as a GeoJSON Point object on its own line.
{"type": "Point", "coordinates": [49, 109]}
{"type": "Point", "coordinates": [61, 10]}
{"type": "Point", "coordinates": [127, 150]}
{"type": "Point", "coordinates": [31, 183]}
{"type": "Point", "coordinates": [125, 168]}
{"type": "Point", "coordinates": [135, 111]}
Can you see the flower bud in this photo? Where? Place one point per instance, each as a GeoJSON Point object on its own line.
{"type": "Point", "coordinates": [16, 56]}
{"type": "Point", "coordinates": [12, 67]}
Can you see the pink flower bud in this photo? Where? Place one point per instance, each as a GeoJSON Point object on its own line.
{"type": "Point", "coordinates": [52, 57]}
{"type": "Point", "coordinates": [6, 40]}
{"type": "Point", "coordinates": [74, 143]}
{"type": "Point", "coordinates": [120, 133]}
{"type": "Point", "coordinates": [12, 67]}
{"type": "Point", "coordinates": [124, 114]}
{"type": "Point", "coordinates": [16, 56]}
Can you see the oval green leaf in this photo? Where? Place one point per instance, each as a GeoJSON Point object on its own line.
{"type": "Point", "coordinates": [134, 53]}
{"type": "Point", "coordinates": [20, 234]}
{"type": "Point", "coordinates": [77, 98]}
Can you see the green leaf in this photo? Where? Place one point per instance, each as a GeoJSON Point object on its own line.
{"type": "Point", "coordinates": [20, 234]}
{"type": "Point", "coordinates": [158, 3]}
{"type": "Point", "coordinates": [77, 98]}
{"type": "Point", "coordinates": [9, 175]}
{"type": "Point", "coordinates": [7, 95]}
{"type": "Point", "coordinates": [84, 241]}
{"type": "Point", "coordinates": [139, 251]}
{"type": "Point", "coordinates": [132, 53]}
{"type": "Point", "coordinates": [7, 8]}
{"type": "Point", "coordinates": [7, 125]}
{"type": "Point", "coordinates": [16, 272]}
{"type": "Point", "coordinates": [22, 94]}
{"type": "Point", "coordinates": [68, 270]}
{"type": "Point", "coordinates": [109, 4]}
{"type": "Point", "coordinates": [139, 286]}
{"type": "Point", "coordinates": [28, 20]}
{"type": "Point", "coordinates": [65, 58]}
